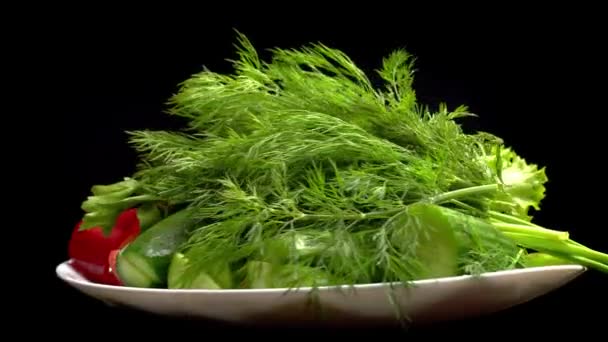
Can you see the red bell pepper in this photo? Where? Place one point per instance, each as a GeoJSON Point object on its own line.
{"type": "Point", "coordinates": [93, 254]}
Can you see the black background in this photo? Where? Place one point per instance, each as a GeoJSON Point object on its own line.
{"type": "Point", "coordinates": [535, 78]}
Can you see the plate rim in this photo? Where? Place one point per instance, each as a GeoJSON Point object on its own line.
{"type": "Point", "coordinates": [61, 274]}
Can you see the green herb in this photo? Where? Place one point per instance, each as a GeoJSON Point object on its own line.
{"type": "Point", "coordinates": [304, 174]}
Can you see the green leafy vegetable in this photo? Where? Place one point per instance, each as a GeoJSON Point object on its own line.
{"type": "Point", "coordinates": [108, 201]}
{"type": "Point", "coordinates": [525, 184]}
{"type": "Point", "coordinates": [300, 173]}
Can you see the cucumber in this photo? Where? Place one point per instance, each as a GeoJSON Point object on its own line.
{"type": "Point", "coordinates": [260, 274]}
{"type": "Point", "coordinates": [145, 261]}
{"type": "Point", "coordinates": [437, 248]}
{"type": "Point", "coordinates": [454, 243]}
{"type": "Point", "coordinates": [264, 275]}
{"type": "Point", "coordinates": [217, 277]}
{"type": "Point", "coordinates": [148, 215]}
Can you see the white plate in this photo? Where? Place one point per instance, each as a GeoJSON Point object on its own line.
{"type": "Point", "coordinates": [426, 301]}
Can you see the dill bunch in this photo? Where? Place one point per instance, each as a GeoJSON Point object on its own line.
{"type": "Point", "coordinates": [299, 172]}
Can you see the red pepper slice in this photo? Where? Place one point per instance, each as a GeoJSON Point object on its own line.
{"type": "Point", "coordinates": [90, 251]}
{"type": "Point", "coordinates": [113, 277]}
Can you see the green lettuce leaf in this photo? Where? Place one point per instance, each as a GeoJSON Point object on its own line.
{"type": "Point", "coordinates": [524, 184]}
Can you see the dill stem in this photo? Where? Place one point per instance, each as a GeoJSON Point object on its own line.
{"type": "Point", "coordinates": [360, 216]}
{"type": "Point", "coordinates": [474, 190]}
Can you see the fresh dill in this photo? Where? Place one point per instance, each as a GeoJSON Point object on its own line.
{"type": "Point", "coordinates": [300, 173]}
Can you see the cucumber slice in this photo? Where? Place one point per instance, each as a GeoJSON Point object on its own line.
{"type": "Point", "coordinates": [145, 261]}
{"type": "Point", "coordinates": [264, 275]}
{"type": "Point", "coordinates": [260, 274]}
{"type": "Point", "coordinates": [437, 245]}
{"type": "Point", "coordinates": [179, 279]}
{"type": "Point", "coordinates": [134, 270]}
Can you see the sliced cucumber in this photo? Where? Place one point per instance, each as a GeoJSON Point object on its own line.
{"type": "Point", "coordinates": [454, 243]}
{"type": "Point", "coordinates": [148, 215]}
{"type": "Point", "coordinates": [437, 248]}
{"type": "Point", "coordinates": [134, 270]}
{"type": "Point", "coordinates": [145, 261]}
{"type": "Point", "coordinates": [178, 277]}
{"type": "Point", "coordinates": [260, 275]}
{"type": "Point", "coordinates": [264, 275]}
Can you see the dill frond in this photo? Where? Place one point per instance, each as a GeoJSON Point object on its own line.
{"type": "Point", "coordinates": [302, 164]}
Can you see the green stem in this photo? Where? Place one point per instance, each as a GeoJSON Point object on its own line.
{"type": "Point", "coordinates": [577, 244]}
{"type": "Point", "coordinates": [474, 190]}
{"type": "Point", "coordinates": [509, 218]}
{"type": "Point", "coordinates": [361, 216]}
{"type": "Point", "coordinates": [139, 198]}
{"type": "Point", "coordinates": [549, 258]}
{"type": "Point", "coordinates": [590, 263]}
{"type": "Point", "coordinates": [465, 206]}
{"type": "Point", "coordinates": [498, 219]}
{"type": "Point", "coordinates": [532, 231]}
{"type": "Point", "coordinates": [563, 247]}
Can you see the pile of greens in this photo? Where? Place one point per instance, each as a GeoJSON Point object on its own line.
{"type": "Point", "coordinates": [297, 171]}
